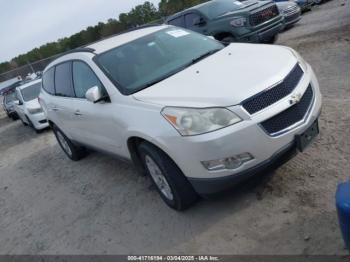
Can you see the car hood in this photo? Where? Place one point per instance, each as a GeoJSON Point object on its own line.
{"type": "Point", "coordinates": [32, 104]}
{"type": "Point", "coordinates": [226, 78]}
{"type": "Point", "coordinates": [241, 5]}
{"type": "Point", "coordinates": [284, 5]}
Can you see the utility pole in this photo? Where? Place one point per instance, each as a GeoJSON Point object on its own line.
{"type": "Point", "coordinates": [30, 65]}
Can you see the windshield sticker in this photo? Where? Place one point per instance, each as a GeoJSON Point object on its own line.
{"type": "Point", "coordinates": [177, 33]}
{"type": "Point", "coordinates": [238, 3]}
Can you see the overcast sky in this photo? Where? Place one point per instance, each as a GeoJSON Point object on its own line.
{"type": "Point", "coordinates": [26, 24]}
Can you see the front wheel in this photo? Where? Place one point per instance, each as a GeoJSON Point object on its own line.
{"type": "Point", "coordinates": [24, 123]}
{"type": "Point", "coordinates": [73, 151]}
{"type": "Point", "coordinates": [171, 184]}
{"type": "Point", "coordinates": [271, 40]}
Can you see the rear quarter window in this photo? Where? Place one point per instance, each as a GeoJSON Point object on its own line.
{"type": "Point", "coordinates": [49, 81]}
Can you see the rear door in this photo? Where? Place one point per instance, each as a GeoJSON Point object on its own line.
{"type": "Point", "coordinates": [64, 98]}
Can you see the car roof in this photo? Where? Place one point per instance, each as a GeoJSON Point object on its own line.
{"type": "Point", "coordinates": [29, 84]}
{"type": "Point", "coordinates": [123, 38]}
{"type": "Point", "coordinates": [111, 42]}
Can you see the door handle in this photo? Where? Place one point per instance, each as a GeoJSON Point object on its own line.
{"type": "Point", "coordinates": [55, 108]}
{"type": "Point", "coordinates": [77, 113]}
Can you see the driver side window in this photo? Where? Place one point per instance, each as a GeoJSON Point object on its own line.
{"type": "Point", "coordinates": [192, 20]}
{"type": "Point", "coordinates": [84, 78]}
{"type": "Point", "coordinates": [19, 97]}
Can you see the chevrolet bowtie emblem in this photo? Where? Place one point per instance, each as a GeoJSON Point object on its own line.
{"type": "Point", "coordinates": [294, 99]}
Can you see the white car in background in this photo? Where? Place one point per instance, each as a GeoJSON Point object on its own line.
{"type": "Point", "coordinates": [27, 105]}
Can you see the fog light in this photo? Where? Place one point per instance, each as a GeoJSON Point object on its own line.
{"type": "Point", "coordinates": [227, 163]}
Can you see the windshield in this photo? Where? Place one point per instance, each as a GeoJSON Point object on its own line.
{"type": "Point", "coordinates": [216, 8]}
{"type": "Point", "coordinates": [31, 92]}
{"type": "Point", "coordinates": [152, 58]}
{"type": "Point", "coordinates": [10, 97]}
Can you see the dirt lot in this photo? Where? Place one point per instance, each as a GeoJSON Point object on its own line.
{"type": "Point", "coordinates": [50, 205]}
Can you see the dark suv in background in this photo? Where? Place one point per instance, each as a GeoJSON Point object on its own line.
{"type": "Point", "coordinates": [232, 21]}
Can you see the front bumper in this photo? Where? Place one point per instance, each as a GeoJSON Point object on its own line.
{"type": "Point", "coordinates": [291, 19]}
{"type": "Point", "coordinates": [210, 186]}
{"type": "Point", "coordinates": [246, 136]}
{"type": "Point", "coordinates": [263, 32]}
{"type": "Point", "coordinates": [304, 6]}
{"type": "Point", "coordinates": [39, 121]}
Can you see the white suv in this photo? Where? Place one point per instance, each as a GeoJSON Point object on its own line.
{"type": "Point", "coordinates": [196, 116]}
{"type": "Point", "coordinates": [27, 105]}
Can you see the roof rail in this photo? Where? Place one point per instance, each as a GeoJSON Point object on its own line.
{"type": "Point", "coordinates": [124, 32]}
{"type": "Point", "coordinates": [92, 50]}
{"type": "Point", "coordinates": [140, 27]}
{"type": "Point", "coordinates": [79, 49]}
{"type": "Point", "coordinates": [75, 50]}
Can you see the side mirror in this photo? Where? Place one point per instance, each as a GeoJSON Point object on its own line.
{"type": "Point", "coordinates": [17, 102]}
{"type": "Point", "coordinates": [94, 94]}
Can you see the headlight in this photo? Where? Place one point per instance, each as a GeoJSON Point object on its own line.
{"type": "Point", "coordinates": [191, 121]}
{"type": "Point", "coordinates": [300, 59]}
{"type": "Point", "coordinates": [34, 111]}
{"type": "Point", "coordinates": [238, 22]}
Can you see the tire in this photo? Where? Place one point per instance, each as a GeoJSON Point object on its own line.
{"type": "Point", "coordinates": [71, 150]}
{"type": "Point", "coordinates": [168, 179]}
{"type": "Point", "coordinates": [227, 40]}
{"type": "Point", "coordinates": [24, 123]}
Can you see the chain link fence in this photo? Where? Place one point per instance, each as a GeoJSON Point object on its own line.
{"type": "Point", "coordinates": [23, 71]}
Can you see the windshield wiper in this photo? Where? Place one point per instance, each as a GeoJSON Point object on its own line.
{"type": "Point", "coordinates": [201, 57]}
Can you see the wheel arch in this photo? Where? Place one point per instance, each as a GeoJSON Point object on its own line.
{"type": "Point", "coordinates": [132, 144]}
{"type": "Point", "coordinates": [221, 35]}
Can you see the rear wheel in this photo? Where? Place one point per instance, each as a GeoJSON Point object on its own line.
{"type": "Point", "coordinates": [171, 184]}
{"type": "Point", "coordinates": [73, 151]}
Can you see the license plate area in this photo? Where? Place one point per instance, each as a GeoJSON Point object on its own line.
{"type": "Point", "coordinates": [305, 139]}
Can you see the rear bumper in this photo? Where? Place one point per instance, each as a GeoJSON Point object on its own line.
{"type": "Point", "coordinates": [210, 186]}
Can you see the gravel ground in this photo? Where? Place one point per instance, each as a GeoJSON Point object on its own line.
{"type": "Point", "coordinates": [50, 205]}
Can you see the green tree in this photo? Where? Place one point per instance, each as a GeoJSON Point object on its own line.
{"type": "Point", "coordinates": [139, 15]}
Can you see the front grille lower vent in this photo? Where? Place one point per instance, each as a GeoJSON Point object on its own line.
{"type": "Point", "coordinates": [291, 116]}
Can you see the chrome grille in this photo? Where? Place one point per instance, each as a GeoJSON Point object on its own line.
{"type": "Point", "coordinates": [272, 95]}
{"type": "Point", "coordinates": [263, 15]}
